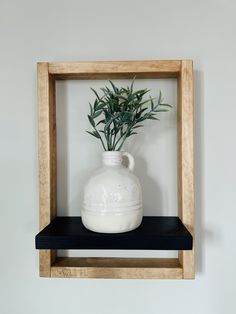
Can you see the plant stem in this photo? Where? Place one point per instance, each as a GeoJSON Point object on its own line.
{"type": "Point", "coordinates": [108, 139]}
{"type": "Point", "coordinates": [113, 144]}
{"type": "Point", "coordinates": [119, 148]}
{"type": "Point", "coordinates": [100, 138]}
{"type": "Point", "coordinates": [124, 137]}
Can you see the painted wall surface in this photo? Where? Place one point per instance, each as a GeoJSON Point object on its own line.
{"type": "Point", "coordinates": [32, 31]}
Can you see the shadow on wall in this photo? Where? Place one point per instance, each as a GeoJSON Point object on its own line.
{"type": "Point", "coordinates": [200, 231]}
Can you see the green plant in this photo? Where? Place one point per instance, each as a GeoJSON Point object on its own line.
{"type": "Point", "coordinates": [119, 112]}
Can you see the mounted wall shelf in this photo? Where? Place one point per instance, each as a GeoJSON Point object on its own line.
{"type": "Point", "coordinates": [165, 233]}
{"type": "Point", "coordinates": [155, 233]}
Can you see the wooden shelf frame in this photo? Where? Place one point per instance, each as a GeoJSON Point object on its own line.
{"type": "Point", "coordinates": [142, 268]}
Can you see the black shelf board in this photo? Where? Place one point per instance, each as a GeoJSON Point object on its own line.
{"type": "Point", "coordinates": [155, 233]}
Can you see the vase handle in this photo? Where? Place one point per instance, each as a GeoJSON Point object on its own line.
{"type": "Point", "coordinates": [131, 164]}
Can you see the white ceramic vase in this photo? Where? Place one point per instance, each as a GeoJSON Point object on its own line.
{"type": "Point", "coordinates": [113, 196]}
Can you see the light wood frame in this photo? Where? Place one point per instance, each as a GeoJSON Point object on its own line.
{"type": "Point", "coordinates": [162, 268]}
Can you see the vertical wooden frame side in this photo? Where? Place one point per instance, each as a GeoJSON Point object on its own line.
{"type": "Point", "coordinates": [47, 159]}
{"type": "Point", "coordinates": [185, 161]}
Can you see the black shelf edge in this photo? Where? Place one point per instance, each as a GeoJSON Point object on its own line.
{"type": "Point", "coordinates": [155, 233]}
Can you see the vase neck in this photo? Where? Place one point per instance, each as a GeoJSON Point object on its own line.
{"type": "Point", "coordinates": [112, 158]}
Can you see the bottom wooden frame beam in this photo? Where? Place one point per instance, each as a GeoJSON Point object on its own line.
{"type": "Point", "coordinates": [117, 268]}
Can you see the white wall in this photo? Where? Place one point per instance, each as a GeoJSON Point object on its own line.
{"type": "Point", "coordinates": [32, 31]}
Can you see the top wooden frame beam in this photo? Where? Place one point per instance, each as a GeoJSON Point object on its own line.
{"type": "Point", "coordinates": [115, 69]}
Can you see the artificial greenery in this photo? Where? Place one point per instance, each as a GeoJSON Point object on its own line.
{"type": "Point", "coordinates": [119, 112]}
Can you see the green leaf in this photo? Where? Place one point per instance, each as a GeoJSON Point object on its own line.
{"type": "Point", "coordinates": [160, 98]}
{"type": "Point", "coordinates": [127, 117]}
{"type": "Point", "coordinates": [152, 103]}
{"type": "Point", "coordinates": [138, 115]}
{"type": "Point", "coordinates": [138, 126]}
{"type": "Point", "coordinates": [95, 93]}
{"type": "Point", "coordinates": [91, 121]}
{"type": "Point", "coordinates": [152, 118]}
{"type": "Point", "coordinates": [101, 121]}
{"type": "Point", "coordinates": [144, 102]}
{"type": "Point", "coordinates": [97, 113]}
{"type": "Point", "coordinates": [120, 97]}
{"type": "Point", "coordinates": [131, 133]}
{"type": "Point", "coordinates": [161, 110]}
{"type": "Point", "coordinates": [166, 105]}
{"type": "Point", "coordinates": [101, 105]}
{"type": "Point", "coordinates": [141, 92]}
{"type": "Point", "coordinates": [113, 86]}
{"type": "Point", "coordinates": [94, 133]}
{"type": "Point", "coordinates": [91, 109]}
{"type": "Point", "coordinates": [108, 123]}
{"type": "Point", "coordinates": [132, 84]}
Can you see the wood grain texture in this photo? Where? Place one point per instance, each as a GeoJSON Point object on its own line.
{"type": "Point", "coordinates": [118, 268]}
{"type": "Point", "coordinates": [115, 69]}
{"type": "Point", "coordinates": [115, 268]}
{"type": "Point", "coordinates": [185, 160]}
{"type": "Point", "coordinates": [47, 157]}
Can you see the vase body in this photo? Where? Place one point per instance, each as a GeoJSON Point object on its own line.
{"type": "Point", "coordinates": [113, 197]}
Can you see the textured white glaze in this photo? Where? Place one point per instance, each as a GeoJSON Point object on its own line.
{"type": "Point", "coordinates": [113, 196]}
